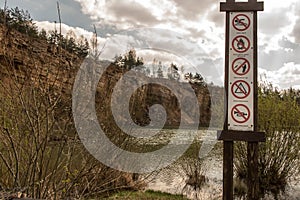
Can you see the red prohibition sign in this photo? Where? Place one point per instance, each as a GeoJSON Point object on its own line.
{"type": "Point", "coordinates": [241, 22]}
{"type": "Point", "coordinates": [240, 89]}
{"type": "Point", "coordinates": [240, 66]}
{"type": "Point", "coordinates": [240, 113]}
{"type": "Point", "coordinates": [241, 44]}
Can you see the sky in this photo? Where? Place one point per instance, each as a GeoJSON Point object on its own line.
{"type": "Point", "coordinates": [189, 32]}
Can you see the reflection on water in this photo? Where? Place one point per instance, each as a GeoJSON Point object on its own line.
{"type": "Point", "coordinates": [171, 181]}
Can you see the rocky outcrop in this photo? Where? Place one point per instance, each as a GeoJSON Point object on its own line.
{"type": "Point", "coordinates": [35, 61]}
{"type": "Point", "coordinates": [151, 94]}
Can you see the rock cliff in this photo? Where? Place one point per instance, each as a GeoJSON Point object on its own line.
{"type": "Point", "coordinates": [32, 61]}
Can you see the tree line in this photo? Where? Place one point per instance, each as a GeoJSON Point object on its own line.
{"type": "Point", "coordinates": [21, 21]}
{"type": "Point", "coordinates": [130, 61]}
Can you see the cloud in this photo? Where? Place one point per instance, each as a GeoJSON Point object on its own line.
{"type": "Point", "coordinates": [277, 20]}
{"type": "Point", "coordinates": [163, 45]}
{"type": "Point", "coordinates": [50, 26]}
{"type": "Point", "coordinates": [46, 10]}
{"type": "Point", "coordinates": [296, 30]}
{"type": "Point", "coordinates": [173, 14]}
{"type": "Point", "coordinates": [124, 14]}
{"type": "Point", "coordinates": [287, 52]}
{"type": "Point", "coordinates": [193, 9]}
{"type": "Point", "coordinates": [287, 76]}
{"type": "Point", "coordinates": [198, 22]}
{"type": "Point", "coordinates": [131, 13]}
{"type": "Point", "coordinates": [217, 17]}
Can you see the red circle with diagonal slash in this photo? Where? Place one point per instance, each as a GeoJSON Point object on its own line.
{"type": "Point", "coordinates": [245, 25]}
{"type": "Point", "coordinates": [237, 112]}
{"type": "Point", "coordinates": [236, 40]}
{"type": "Point", "coordinates": [236, 68]}
{"type": "Point", "coordinates": [245, 86]}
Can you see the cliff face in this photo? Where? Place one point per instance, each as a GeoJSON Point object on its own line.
{"type": "Point", "coordinates": [35, 62]}
{"type": "Point", "coordinates": [179, 109]}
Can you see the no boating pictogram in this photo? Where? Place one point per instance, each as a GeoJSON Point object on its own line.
{"type": "Point", "coordinates": [241, 44]}
{"type": "Point", "coordinates": [241, 22]}
{"type": "Point", "coordinates": [240, 66]}
{"type": "Point", "coordinates": [240, 89]}
{"type": "Point", "coordinates": [240, 113]}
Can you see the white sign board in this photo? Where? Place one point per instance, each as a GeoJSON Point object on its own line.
{"type": "Point", "coordinates": [240, 77]}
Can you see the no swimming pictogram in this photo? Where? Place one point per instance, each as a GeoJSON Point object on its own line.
{"type": "Point", "coordinates": [240, 89]}
{"type": "Point", "coordinates": [240, 113]}
{"type": "Point", "coordinates": [241, 22]}
{"type": "Point", "coordinates": [241, 44]}
{"type": "Point", "coordinates": [240, 66]}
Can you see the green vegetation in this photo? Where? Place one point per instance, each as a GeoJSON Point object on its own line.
{"type": "Point", "coordinates": [279, 117]}
{"type": "Point", "coordinates": [129, 60]}
{"type": "Point", "coordinates": [41, 156]}
{"type": "Point", "coordinates": [147, 195]}
{"type": "Point", "coordinates": [197, 78]}
{"type": "Point", "coordinates": [21, 21]}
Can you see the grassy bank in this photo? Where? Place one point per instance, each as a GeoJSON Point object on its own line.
{"type": "Point", "coordinates": [147, 195]}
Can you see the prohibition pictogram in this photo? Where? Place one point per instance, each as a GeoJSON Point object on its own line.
{"type": "Point", "coordinates": [240, 89]}
{"type": "Point", "coordinates": [241, 44]}
{"type": "Point", "coordinates": [240, 113]}
{"type": "Point", "coordinates": [241, 22]}
{"type": "Point", "coordinates": [240, 66]}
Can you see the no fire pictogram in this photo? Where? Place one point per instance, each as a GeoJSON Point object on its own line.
{"type": "Point", "coordinates": [240, 89]}
{"type": "Point", "coordinates": [241, 22]}
{"type": "Point", "coordinates": [240, 113]}
{"type": "Point", "coordinates": [240, 66]}
{"type": "Point", "coordinates": [241, 44]}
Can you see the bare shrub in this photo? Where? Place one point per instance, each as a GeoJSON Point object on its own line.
{"type": "Point", "coordinates": [41, 156]}
{"type": "Point", "coordinates": [279, 115]}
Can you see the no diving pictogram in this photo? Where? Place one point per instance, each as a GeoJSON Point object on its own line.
{"type": "Point", "coordinates": [240, 89]}
{"type": "Point", "coordinates": [241, 22]}
{"type": "Point", "coordinates": [240, 66]}
{"type": "Point", "coordinates": [241, 44]}
{"type": "Point", "coordinates": [240, 113]}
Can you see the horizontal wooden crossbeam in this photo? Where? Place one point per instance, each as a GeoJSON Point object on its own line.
{"type": "Point", "coordinates": [246, 136]}
{"type": "Point", "coordinates": [232, 6]}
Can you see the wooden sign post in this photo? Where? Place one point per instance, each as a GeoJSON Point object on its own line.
{"type": "Point", "coordinates": [241, 92]}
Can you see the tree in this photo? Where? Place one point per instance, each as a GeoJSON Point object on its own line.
{"type": "Point", "coordinates": [43, 35]}
{"type": "Point", "coordinates": [173, 72]}
{"type": "Point", "coordinates": [21, 21]}
{"type": "Point", "coordinates": [160, 71]}
{"type": "Point", "coordinates": [154, 66]}
{"type": "Point", "coordinates": [82, 47]}
{"type": "Point", "coordinates": [129, 60]}
{"type": "Point", "coordinates": [182, 70]}
{"type": "Point", "coordinates": [53, 37]}
{"type": "Point", "coordinates": [196, 79]}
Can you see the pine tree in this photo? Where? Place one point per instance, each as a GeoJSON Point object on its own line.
{"type": "Point", "coordinates": [160, 71]}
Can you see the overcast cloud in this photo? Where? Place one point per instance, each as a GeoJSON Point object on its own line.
{"type": "Point", "coordinates": [199, 23]}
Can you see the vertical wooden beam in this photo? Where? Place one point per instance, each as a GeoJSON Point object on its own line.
{"type": "Point", "coordinates": [228, 170]}
{"type": "Point", "coordinates": [253, 178]}
{"type": "Point", "coordinates": [252, 148]}
{"type": "Point", "coordinates": [228, 145]}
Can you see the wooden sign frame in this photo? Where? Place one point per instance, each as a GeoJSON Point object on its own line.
{"type": "Point", "coordinates": [229, 136]}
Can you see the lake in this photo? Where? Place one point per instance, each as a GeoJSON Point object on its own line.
{"type": "Point", "coordinates": [173, 179]}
